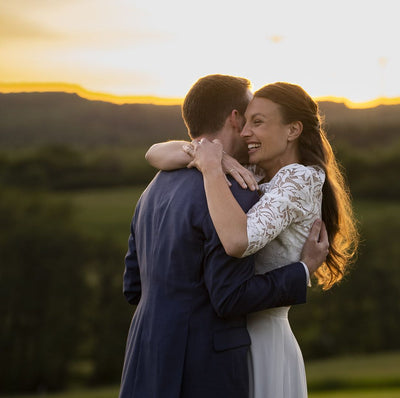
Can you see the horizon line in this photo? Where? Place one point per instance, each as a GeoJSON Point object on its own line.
{"type": "Point", "coordinates": [70, 88]}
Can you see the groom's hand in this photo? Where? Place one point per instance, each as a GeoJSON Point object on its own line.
{"type": "Point", "coordinates": [316, 247]}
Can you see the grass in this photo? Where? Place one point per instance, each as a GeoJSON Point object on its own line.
{"type": "Point", "coordinates": [113, 393]}
{"type": "Point", "coordinates": [355, 372]}
{"type": "Point", "coordinates": [363, 376]}
{"type": "Point", "coordinates": [381, 393]}
{"type": "Point", "coordinates": [108, 212]}
{"type": "Point", "coordinates": [100, 211]}
{"type": "Point", "coordinates": [104, 392]}
{"type": "Point", "coordinates": [104, 212]}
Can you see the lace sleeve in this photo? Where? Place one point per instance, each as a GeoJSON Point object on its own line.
{"type": "Point", "coordinates": [289, 197]}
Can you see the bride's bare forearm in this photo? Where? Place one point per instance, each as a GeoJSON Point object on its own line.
{"type": "Point", "coordinates": [168, 155]}
{"type": "Point", "coordinates": [229, 220]}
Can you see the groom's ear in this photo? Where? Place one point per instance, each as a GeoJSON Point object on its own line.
{"type": "Point", "coordinates": [295, 129]}
{"type": "Point", "coordinates": [236, 120]}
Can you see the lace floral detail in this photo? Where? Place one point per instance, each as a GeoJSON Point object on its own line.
{"type": "Point", "coordinates": [259, 173]}
{"type": "Point", "coordinates": [293, 196]}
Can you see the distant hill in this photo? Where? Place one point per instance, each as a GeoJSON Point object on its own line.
{"type": "Point", "coordinates": [32, 119]}
{"type": "Point", "coordinates": [35, 119]}
{"type": "Point", "coordinates": [363, 128]}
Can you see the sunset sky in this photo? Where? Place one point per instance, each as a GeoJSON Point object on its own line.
{"type": "Point", "coordinates": [341, 48]}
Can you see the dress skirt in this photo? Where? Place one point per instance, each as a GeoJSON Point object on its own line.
{"type": "Point", "coordinates": [276, 366]}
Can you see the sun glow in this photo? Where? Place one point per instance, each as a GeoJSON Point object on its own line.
{"type": "Point", "coordinates": [362, 105]}
{"type": "Point", "coordinates": [152, 51]}
{"type": "Point", "coordinates": [116, 99]}
{"type": "Point", "coordinates": [82, 92]}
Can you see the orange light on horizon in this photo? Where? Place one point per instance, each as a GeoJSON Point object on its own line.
{"type": "Point", "coordinates": [82, 92]}
{"type": "Point", "coordinates": [361, 105]}
{"type": "Point", "coordinates": [120, 100]}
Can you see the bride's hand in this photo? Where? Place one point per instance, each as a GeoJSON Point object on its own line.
{"type": "Point", "coordinates": [208, 156]}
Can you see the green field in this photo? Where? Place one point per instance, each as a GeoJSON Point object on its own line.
{"type": "Point", "coordinates": [113, 393]}
{"type": "Point", "coordinates": [355, 372]}
{"type": "Point", "coordinates": [380, 393]}
{"type": "Point", "coordinates": [104, 212]}
{"type": "Point", "coordinates": [369, 376]}
{"type": "Point", "coordinates": [101, 211]}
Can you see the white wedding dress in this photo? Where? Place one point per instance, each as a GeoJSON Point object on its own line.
{"type": "Point", "coordinates": [277, 227]}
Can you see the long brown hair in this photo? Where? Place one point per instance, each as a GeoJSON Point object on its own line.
{"type": "Point", "coordinates": [315, 149]}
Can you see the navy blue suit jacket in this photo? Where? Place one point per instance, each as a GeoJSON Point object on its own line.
{"type": "Point", "coordinates": [188, 335]}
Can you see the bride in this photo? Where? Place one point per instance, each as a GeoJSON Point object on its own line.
{"type": "Point", "coordinates": [299, 181]}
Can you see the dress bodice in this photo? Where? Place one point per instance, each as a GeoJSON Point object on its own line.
{"type": "Point", "coordinates": [279, 223]}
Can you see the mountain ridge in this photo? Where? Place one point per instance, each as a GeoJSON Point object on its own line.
{"type": "Point", "coordinates": [48, 118]}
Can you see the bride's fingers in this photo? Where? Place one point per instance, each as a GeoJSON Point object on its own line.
{"type": "Point", "coordinates": [238, 177]}
{"type": "Point", "coordinates": [227, 181]}
{"type": "Point", "coordinates": [189, 149]}
{"type": "Point", "coordinates": [249, 179]}
{"type": "Point", "coordinates": [244, 177]}
{"type": "Point", "coordinates": [217, 141]}
{"type": "Point", "coordinates": [191, 165]}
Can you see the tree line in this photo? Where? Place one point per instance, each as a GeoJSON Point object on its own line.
{"type": "Point", "coordinates": [370, 174]}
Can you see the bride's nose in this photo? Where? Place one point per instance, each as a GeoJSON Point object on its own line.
{"type": "Point", "coordinates": [245, 131]}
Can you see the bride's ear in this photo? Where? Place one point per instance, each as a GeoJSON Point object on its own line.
{"type": "Point", "coordinates": [295, 129]}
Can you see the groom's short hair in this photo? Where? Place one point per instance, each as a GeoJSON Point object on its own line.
{"type": "Point", "coordinates": [211, 100]}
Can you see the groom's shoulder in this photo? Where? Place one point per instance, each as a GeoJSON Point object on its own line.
{"type": "Point", "coordinates": [189, 183]}
{"type": "Point", "coordinates": [180, 180]}
{"type": "Point", "coordinates": [191, 180]}
{"type": "Point", "coordinates": [245, 197]}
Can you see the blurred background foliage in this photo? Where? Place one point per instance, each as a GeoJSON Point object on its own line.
{"type": "Point", "coordinates": [71, 171]}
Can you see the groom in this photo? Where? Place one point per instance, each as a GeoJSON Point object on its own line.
{"type": "Point", "coordinates": [188, 336]}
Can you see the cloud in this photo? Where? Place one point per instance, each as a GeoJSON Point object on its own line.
{"type": "Point", "coordinates": [13, 27]}
{"type": "Point", "coordinates": [76, 24]}
{"type": "Point", "coordinates": [276, 39]}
